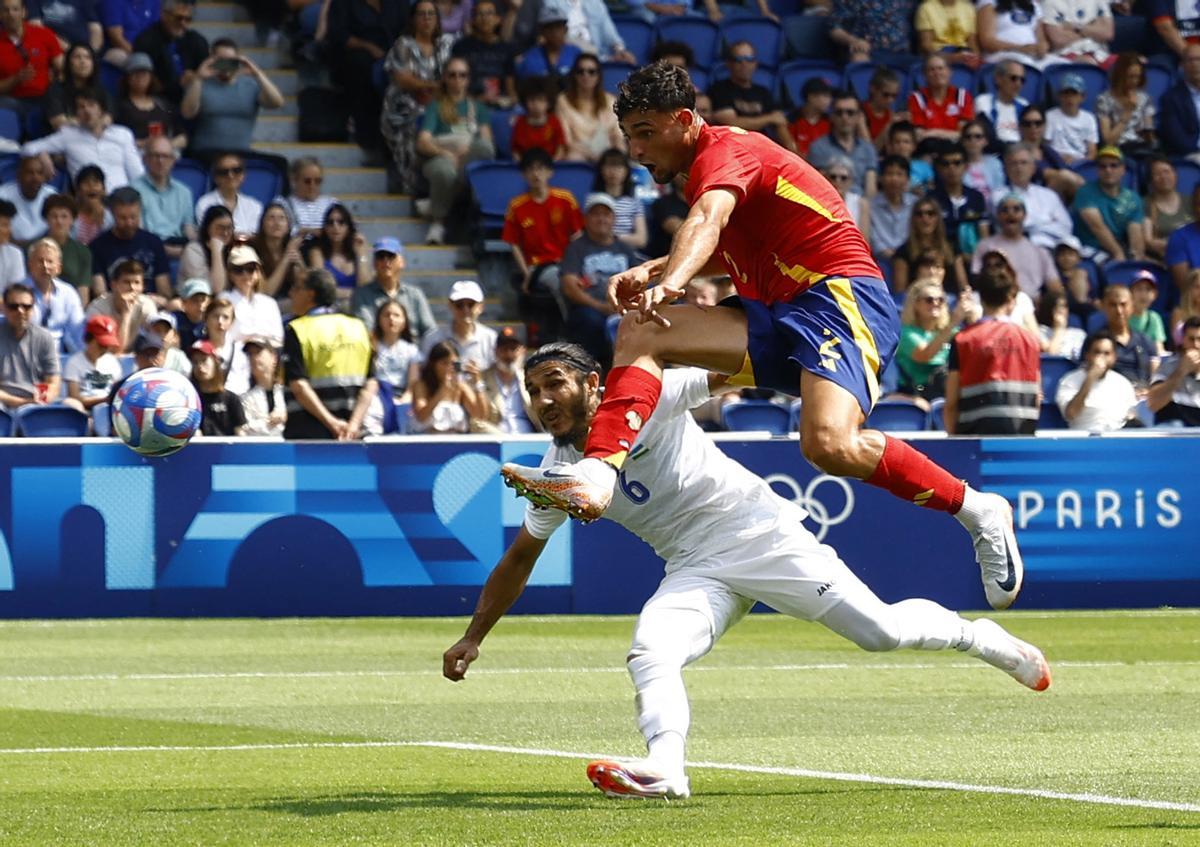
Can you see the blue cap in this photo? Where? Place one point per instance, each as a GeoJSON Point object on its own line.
{"type": "Point", "coordinates": [1072, 82]}
{"type": "Point", "coordinates": [389, 245]}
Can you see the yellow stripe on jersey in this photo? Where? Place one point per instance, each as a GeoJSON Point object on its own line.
{"type": "Point", "coordinates": [799, 273]}
{"type": "Point", "coordinates": [744, 377]}
{"type": "Point", "coordinates": [843, 295]}
{"type": "Point", "coordinates": [787, 191]}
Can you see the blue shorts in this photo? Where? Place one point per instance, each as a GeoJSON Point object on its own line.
{"type": "Point", "coordinates": [842, 329]}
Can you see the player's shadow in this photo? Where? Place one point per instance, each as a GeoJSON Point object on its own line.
{"type": "Point", "coordinates": [1156, 825]}
{"type": "Point", "coordinates": [384, 801]}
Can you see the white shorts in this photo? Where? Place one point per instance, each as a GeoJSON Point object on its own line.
{"type": "Point", "coordinates": [790, 571]}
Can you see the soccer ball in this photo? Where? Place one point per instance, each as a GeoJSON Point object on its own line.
{"type": "Point", "coordinates": [156, 411]}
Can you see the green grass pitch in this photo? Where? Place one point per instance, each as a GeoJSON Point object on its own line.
{"type": "Point", "coordinates": [299, 732]}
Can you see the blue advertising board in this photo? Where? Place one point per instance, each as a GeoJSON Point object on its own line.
{"type": "Point", "coordinates": [414, 526]}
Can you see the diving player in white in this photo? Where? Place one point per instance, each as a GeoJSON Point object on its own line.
{"type": "Point", "coordinates": [728, 540]}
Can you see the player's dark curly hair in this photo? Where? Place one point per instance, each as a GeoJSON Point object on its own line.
{"type": "Point", "coordinates": [660, 87]}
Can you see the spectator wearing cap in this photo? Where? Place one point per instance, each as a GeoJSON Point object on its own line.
{"type": "Point", "coordinates": [127, 240]}
{"type": "Point", "coordinates": [12, 260]}
{"type": "Point", "coordinates": [92, 140]}
{"type": "Point", "coordinates": [474, 342]}
{"type": "Point", "coordinates": [59, 212]}
{"type": "Point", "coordinates": [125, 301]}
{"type": "Point", "coordinates": [139, 106]}
{"type": "Point", "coordinates": [551, 56]}
{"type": "Point", "coordinates": [149, 350]}
{"type": "Point", "coordinates": [326, 364]}
{"type": "Point", "coordinates": [29, 365]}
{"type": "Point", "coordinates": [1109, 217]}
{"type": "Point", "coordinates": [223, 100]}
{"type": "Point", "coordinates": [504, 386]}
{"type": "Point", "coordinates": [165, 327]}
{"type": "Point", "coordinates": [168, 208]}
{"type": "Point", "coordinates": [812, 119]}
{"type": "Point", "coordinates": [588, 263]}
{"type": "Point", "coordinates": [1179, 109]}
{"type": "Point", "coordinates": [740, 101]}
{"type": "Point", "coordinates": [1175, 389]}
{"type": "Point", "coordinates": [28, 192]}
{"type": "Point", "coordinates": [1135, 357]}
{"type": "Point", "coordinates": [175, 49]}
{"type": "Point", "coordinates": [264, 405]}
{"type": "Point", "coordinates": [388, 286]}
{"type": "Point", "coordinates": [993, 386]}
{"type": "Point", "coordinates": [92, 371]}
{"type": "Point", "coordinates": [1071, 130]}
{"type": "Point", "coordinates": [1095, 397]}
{"type": "Point", "coordinates": [1144, 289]}
{"type": "Point", "coordinates": [1034, 266]}
{"type": "Point", "coordinates": [222, 412]}
{"type": "Point", "coordinates": [255, 314]}
{"type": "Point", "coordinates": [1047, 220]}
{"type": "Point", "coordinates": [194, 295]}
{"type": "Point", "coordinates": [30, 58]}
{"type": "Point", "coordinates": [57, 306]}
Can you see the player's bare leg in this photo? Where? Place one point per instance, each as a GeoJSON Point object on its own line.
{"type": "Point", "coordinates": [833, 440]}
{"type": "Point", "coordinates": [712, 338]}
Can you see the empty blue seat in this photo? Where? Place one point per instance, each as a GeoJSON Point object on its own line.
{"type": "Point", "coordinates": [52, 422]}
{"type": "Point", "coordinates": [1188, 178]}
{"type": "Point", "coordinates": [1095, 80]}
{"type": "Point", "coordinates": [701, 34]}
{"type": "Point", "coordinates": [898, 416]}
{"type": "Point", "coordinates": [576, 177]}
{"type": "Point", "coordinates": [611, 324]}
{"type": "Point", "coordinates": [192, 174]}
{"type": "Point", "coordinates": [613, 74]}
{"type": "Point", "coordinates": [494, 184]}
{"type": "Point", "coordinates": [263, 182]}
{"type": "Point", "coordinates": [102, 420]}
{"type": "Point", "coordinates": [1054, 368]}
{"type": "Point", "coordinates": [1158, 80]}
{"type": "Point", "coordinates": [638, 36]}
{"type": "Point", "coordinates": [699, 78]}
{"type": "Point", "coordinates": [1050, 417]}
{"type": "Point", "coordinates": [10, 125]}
{"type": "Point", "coordinates": [502, 131]}
{"type": "Point", "coordinates": [763, 33]}
{"type": "Point", "coordinates": [937, 415]}
{"type": "Point", "coordinates": [808, 35]}
{"type": "Point", "coordinates": [756, 416]}
{"type": "Point", "coordinates": [6, 422]}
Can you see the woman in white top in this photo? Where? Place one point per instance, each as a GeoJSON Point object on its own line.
{"type": "Point", "coordinates": [1059, 338]}
{"type": "Point", "coordinates": [585, 110]}
{"type": "Point", "coordinates": [204, 257]}
{"type": "Point", "coordinates": [1014, 29]}
{"type": "Point", "coordinates": [443, 402]}
{"type": "Point", "coordinates": [229, 172]}
{"type": "Point", "coordinates": [255, 314]}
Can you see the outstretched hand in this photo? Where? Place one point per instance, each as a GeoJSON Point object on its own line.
{"type": "Point", "coordinates": [458, 658]}
{"type": "Point", "coordinates": [630, 291]}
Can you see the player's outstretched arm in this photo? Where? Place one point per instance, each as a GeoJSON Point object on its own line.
{"type": "Point", "coordinates": [501, 590]}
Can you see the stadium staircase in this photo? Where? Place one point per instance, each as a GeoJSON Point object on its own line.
{"type": "Point", "coordinates": [362, 189]}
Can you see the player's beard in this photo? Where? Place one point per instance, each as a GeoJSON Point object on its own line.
{"type": "Point", "coordinates": [581, 422]}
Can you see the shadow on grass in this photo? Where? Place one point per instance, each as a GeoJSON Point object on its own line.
{"type": "Point", "coordinates": [1157, 825]}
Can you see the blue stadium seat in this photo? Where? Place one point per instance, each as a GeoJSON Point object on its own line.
{"type": "Point", "coordinates": [110, 77]}
{"type": "Point", "coordinates": [611, 324]}
{"type": "Point", "coordinates": [10, 125]}
{"type": "Point", "coordinates": [8, 167]}
{"type": "Point", "coordinates": [1050, 417]}
{"type": "Point", "coordinates": [794, 415]}
{"type": "Point", "coordinates": [52, 422]}
{"type": "Point", "coordinates": [808, 36]}
{"type": "Point", "coordinates": [403, 418]}
{"type": "Point", "coordinates": [701, 34]}
{"type": "Point", "coordinates": [502, 131]}
{"type": "Point", "coordinates": [1054, 368]}
{"type": "Point", "coordinates": [1158, 80]}
{"type": "Point", "coordinates": [102, 420]}
{"type": "Point", "coordinates": [1189, 177]}
{"type": "Point", "coordinates": [613, 74]}
{"type": "Point", "coordinates": [638, 36]}
{"type": "Point", "coordinates": [756, 416]}
{"type": "Point", "coordinates": [1031, 89]}
{"type": "Point", "coordinates": [763, 76]}
{"type": "Point", "coordinates": [1094, 79]}
{"type": "Point", "coordinates": [1086, 168]}
{"type": "Point", "coordinates": [960, 77]}
{"type": "Point", "coordinates": [1096, 320]}
{"type": "Point", "coordinates": [937, 415]}
{"type": "Point", "coordinates": [1093, 271]}
{"type": "Point", "coordinates": [192, 174]}
{"type": "Point", "coordinates": [263, 182]}
{"type": "Point", "coordinates": [792, 76]}
{"type": "Point", "coordinates": [700, 78]}
{"type": "Point", "coordinates": [494, 184]}
{"type": "Point", "coordinates": [576, 177]}
{"type": "Point", "coordinates": [763, 33]}
{"type": "Point", "coordinates": [898, 416]}
{"type": "Point", "coordinates": [6, 422]}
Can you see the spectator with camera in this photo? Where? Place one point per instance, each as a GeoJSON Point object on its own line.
{"type": "Point", "coordinates": [224, 98]}
{"type": "Point", "coordinates": [447, 398]}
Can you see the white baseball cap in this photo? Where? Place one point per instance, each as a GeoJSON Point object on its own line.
{"type": "Point", "coordinates": [466, 289]}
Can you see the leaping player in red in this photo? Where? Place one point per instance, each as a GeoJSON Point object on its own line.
{"type": "Point", "coordinates": [813, 315]}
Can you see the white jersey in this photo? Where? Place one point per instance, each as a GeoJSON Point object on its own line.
{"type": "Point", "coordinates": [677, 491]}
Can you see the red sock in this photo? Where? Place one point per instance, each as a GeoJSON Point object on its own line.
{"type": "Point", "coordinates": [630, 395]}
{"type": "Point", "coordinates": [912, 476]}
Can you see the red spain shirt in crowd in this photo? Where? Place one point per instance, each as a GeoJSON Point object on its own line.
{"type": "Point", "coordinates": [804, 133]}
{"type": "Point", "coordinates": [549, 136]}
{"type": "Point", "coordinates": [543, 229]}
{"type": "Point", "coordinates": [789, 229]}
{"type": "Point", "coordinates": [925, 112]}
{"type": "Point", "coordinates": [38, 46]}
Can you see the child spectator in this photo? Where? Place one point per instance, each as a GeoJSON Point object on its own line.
{"type": "Point", "coordinates": [891, 208]}
{"type": "Point", "coordinates": [222, 409]}
{"type": "Point", "coordinates": [397, 358]}
{"type": "Point", "coordinates": [1144, 288]}
{"type": "Point", "coordinates": [902, 141]}
{"type": "Point", "coordinates": [1059, 338]}
{"type": "Point", "coordinates": [189, 320]}
{"type": "Point", "coordinates": [538, 127]}
{"type": "Point", "coordinates": [1175, 389]}
{"type": "Point", "coordinates": [615, 178]}
{"type": "Point", "coordinates": [1072, 131]}
{"type": "Point", "coordinates": [203, 258]}
{"type": "Point", "coordinates": [12, 260]}
{"type": "Point", "coordinates": [92, 371]}
{"type": "Point", "coordinates": [93, 215]}
{"type": "Point", "coordinates": [218, 320]}
{"type": "Point", "coordinates": [263, 404]}
{"type": "Point", "coordinates": [59, 212]}
{"type": "Point", "coordinates": [812, 119]}
{"type": "Point", "coordinates": [163, 325]}
{"type": "Point", "coordinates": [882, 91]}
{"type": "Point", "coordinates": [1068, 256]}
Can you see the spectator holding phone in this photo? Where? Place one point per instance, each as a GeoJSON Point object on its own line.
{"type": "Point", "coordinates": [223, 99]}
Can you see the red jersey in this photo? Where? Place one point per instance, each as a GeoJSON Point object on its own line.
{"type": "Point", "coordinates": [542, 230]}
{"type": "Point", "coordinates": [877, 122]}
{"type": "Point", "coordinates": [804, 133]}
{"type": "Point", "coordinates": [549, 136]}
{"type": "Point", "coordinates": [38, 47]}
{"type": "Point", "coordinates": [927, 113]}
{"type": "Point", "coordinates": [789, 229]}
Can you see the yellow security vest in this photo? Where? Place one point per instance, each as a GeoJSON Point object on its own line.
{"type": "Point", "coordinates": [336, 347]}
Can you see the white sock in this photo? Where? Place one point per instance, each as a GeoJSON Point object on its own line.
{"type": "Point", "coordinates": [666, 752]}
{"type": "Point", "coordinates": [975, 507]}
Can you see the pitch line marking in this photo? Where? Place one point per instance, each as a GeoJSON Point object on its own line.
{"type": "Point", "coordinates": [816, 666]}
{"type": "Point", "coordinates": [803, 773]}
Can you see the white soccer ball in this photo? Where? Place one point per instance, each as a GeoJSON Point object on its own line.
{"type": "Point", "coordinates": [156, 411]}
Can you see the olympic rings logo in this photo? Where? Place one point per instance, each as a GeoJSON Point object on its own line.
{"type": "Point", "coordinates": [817, 510]}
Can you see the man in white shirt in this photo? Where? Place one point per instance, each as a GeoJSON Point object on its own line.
{"type": "Point", "coordinates": [1002, 110]}
{"type": "Point", "coordinates": [93, 140]}
{"type": "Point", "coordinates": [1047, 221]}
{"type": "Point", "coordinates": [27, 193]}
{"type": "Point", "coordinates": [741, 543]}
{"type": "Point", "coordinates": [1095, 397]}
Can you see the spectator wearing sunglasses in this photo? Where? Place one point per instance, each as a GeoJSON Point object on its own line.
{"type": "Point", "coordinates": [229, 172]}
{"type": "Point", "coordinates": [1002, 108]}
{"type": "Point", "coordinates": [176, 49]}
{"type": "Point", "coordinates": [740, 101]}
{"type": "Point", "coordinates": [844, 139]}
{"type": "Point", "coordinates": [306, 205]}
{"type": "Point", "coordinates": [29, 367]}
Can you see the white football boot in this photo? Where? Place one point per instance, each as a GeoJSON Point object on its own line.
{"type": "Point", "coordinates": [637, 780]}
{"type": "Point", "coordinates": [582, 490]}
{"type": "Point", "coordinates": [1020, 660]}
{"type": "Point", "coordinates": [989, 519]}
